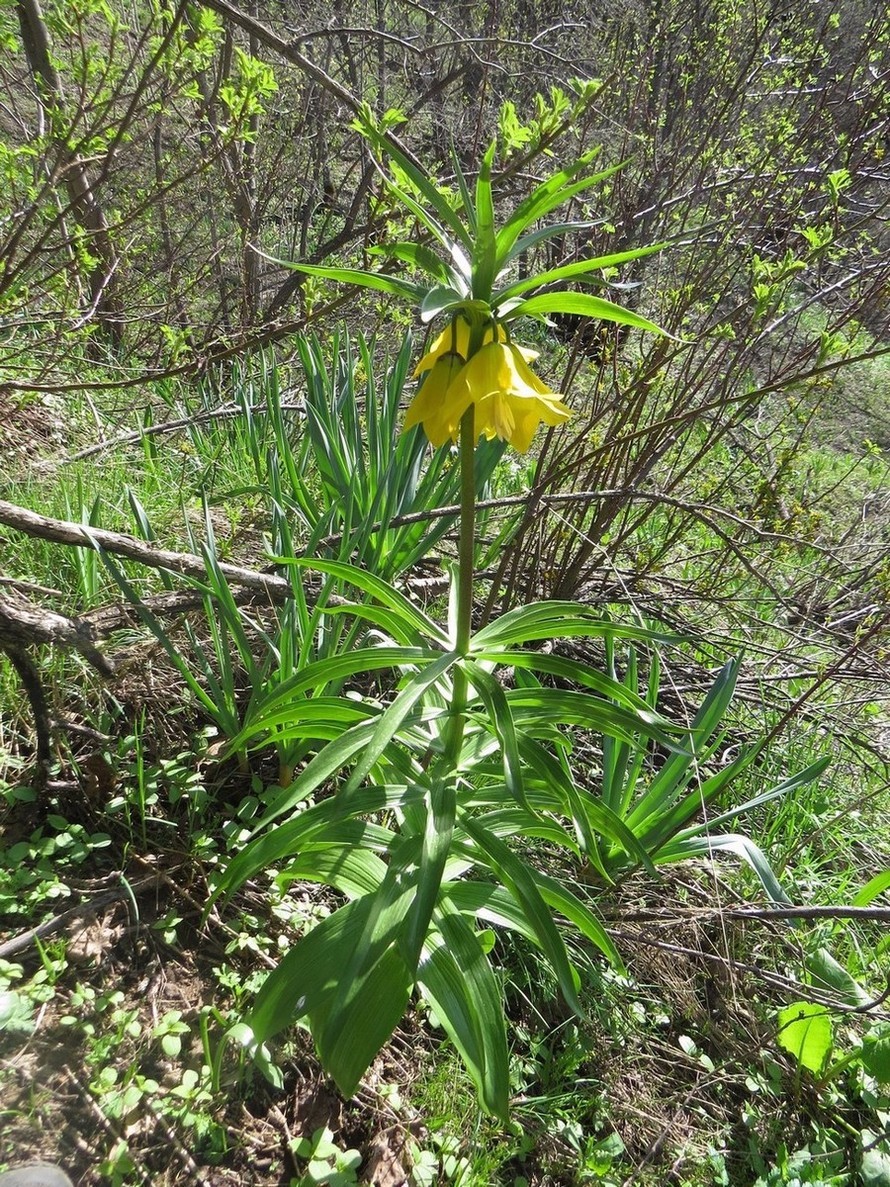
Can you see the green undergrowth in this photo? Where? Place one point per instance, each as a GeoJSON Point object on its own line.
{"type": "Point", "coordinates": [677, 1065]}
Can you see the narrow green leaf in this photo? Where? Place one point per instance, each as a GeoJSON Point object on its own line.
{"type": "Point", "coordinates": [583, 304]}
{"type": "Point", "coordinates": [563, 900]}
{"type": "Point", "coordinates": [558, 620]}
{"type": "Point", "coordinates": [342, 865]}
{"type": "Point", "coordinates": [382, 590]}
{"type": "Point", "coordinates": [501, 718]}
{"type": "Point", "coordinates": [437, 201]}
{"type": "Point", "coordinates": [735, 843]}
{"type": "Point", "coordinates": [555, 191]}
{"type": "Point", "coordinates": [390, 720]}
{"type": "Point", "coordinates": [355, 276]}
{"type": "Point", "coordinates": [874, 886]}
{"type": "Point", "coordinates": [579, 268]}
{"type": "Point", "coordinates": [578, 673]}
{"type": "Point", "coordinates": [485, 245]}
{"type": "Point", "coordinates": [314, 823]}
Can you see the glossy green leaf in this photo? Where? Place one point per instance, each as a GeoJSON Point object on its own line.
{"type": "Point", "coordinates": [590, 814]}
{"type": "Point", "coordinates": [583, 304]}
{"type": "Point", "coordinates": [828, 973]}
{"type": "Point", "coordinates": [682, 766]}
{"type": "Point", "coordinates": [561, 899]}
{"type": "Point", "coordinates": [350, 1026]}
{"type": "Point", "coordinates": [456, 978]}
{"type": "Point", "coordinates": [436, 200]}
{"type": "Point", "coordinates": [578, 268]}
{"type": "Point", "coordinates": [404, 289]}
{"type": "Point", "coordinates": [485, 245]}
{"type": "Point", "coordinates": [354, 872]}
{"type": "Point", "coordinates": [441, 299]}
{"type": "Point", "coordinates": [735, 843]}
{"type": "Point", "coordinates": [581, 708]}
{"type": "Point", "coordinates": [517, 878]}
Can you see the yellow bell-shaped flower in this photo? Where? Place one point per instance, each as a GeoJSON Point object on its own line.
{"type": "Point", "coordinates": [509, 400]}
{"type": "Point", "coordinates": [455, 339]}
{"type": "Point", "coordinates": [433, 406]}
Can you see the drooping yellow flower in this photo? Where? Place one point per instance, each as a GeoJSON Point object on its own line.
{"type": "Point", "coordinates": [432, 406]}
{"type": "Point", "coordinates": [509, 400]}
{"type": "Point", "coordinates": [455, 339]}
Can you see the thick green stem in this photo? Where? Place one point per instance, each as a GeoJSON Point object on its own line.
{"type": "Point", "coordinates": [466, 560]}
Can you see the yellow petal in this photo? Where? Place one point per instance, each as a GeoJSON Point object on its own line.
{"type": "Point", "coordinates": [434, 406]}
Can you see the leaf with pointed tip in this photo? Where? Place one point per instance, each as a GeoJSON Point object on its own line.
{"type": "Point", "coordinates": [422, 257]}
{"type": "Point", "coordinates": [555, 191]}
{"type": "Point", "coordinates": [437, 201]}
{"type": "Point", "coordinates": [355, 276]}
{"type": "Point", "coordinates": [585, 305]}
{"type": "Point", "coordinates": [579, 268]}
{"type": "Point", "coordinates": [516, 876]}
{"type": "Point", "coordinates": [484, 256]}
{"type": "Point", "coordinates": [456, 978]}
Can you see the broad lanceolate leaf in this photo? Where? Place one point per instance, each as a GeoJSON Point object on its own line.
{"type": "Point", "coordinates": [556, 620]}
{"type": "Point", "coordinates": [581, 674]}
{"type": "Point", "coordinates": [681, 766]}
{"type": "Point", "coordinates": [456, 978]}
{"type": "Point", "coordinates": [314, 824]}
{"type": "Point", "coordinates": [379, 281]}
{"type": "Point", "coordinates": [440, 802]}
{"type": "Point", "coordinates": [579, 268]}
{"type": "Point", "coordinates": [583, 304]}
{"type": "Point", "coordinates": [517, 877]}
{"type": "Point", "coordinates": [350, 1026]}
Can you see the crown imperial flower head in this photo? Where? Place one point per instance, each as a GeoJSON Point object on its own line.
{"type": "Point", "coordinates": [509, 400]}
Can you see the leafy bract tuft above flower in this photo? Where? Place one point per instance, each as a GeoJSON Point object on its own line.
{"type": "Point", "coordinates": [472, 276]}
